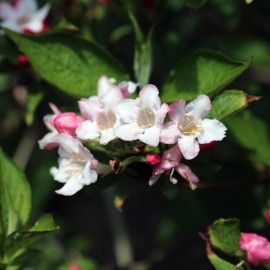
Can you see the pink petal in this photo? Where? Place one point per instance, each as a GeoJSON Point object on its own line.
{"type": "Point", "coordinates": [149, 97]}
{"type": "Point", "coordinates": [170, 133]}
{"type": "Point", "coordinates": [212, 130]}
{"type": "Point", "coordinates": [161, 114]}
{"type": "Point", "coordinates": [177, 111]}
{"type": "Point", "coordinates": [199, 107]}
{"type": "Point", "coordinates": [187, 174]}
{"type": "Point", "coordinates": [111, 98]}
{"type": "Point", "coordinates": [89, 108]}
{"type": "Point", "coordinates": [173, 154]}
{"type": "Point", "coordinates": [188, 146]}
{"type": "Point", "coordinates": [6, 11]}
{"type": "Point", "coordinates": [150, 136]}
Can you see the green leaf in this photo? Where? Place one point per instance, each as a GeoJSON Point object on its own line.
{"type": "Point", "coordinates": [251, 133]}
{"type": "Point", "coordinates": [15, 196]}
{"type": "Point", "coordinates": [228, 103]}
{"type": "Point", "coordinates": [225, 235]}
{"type": "Point", "coordinates": [221, 264]}
{"type": "Point", "coordinates": [19, 241]}
{"type": "Point", "coordinates": [68, 61]}
{"type": "Point", "coordinates": [32, 102]}
{"type": "Point", "coordinates": [201, 72]}
{"type": "Point", "coordinates": [143, 53]}
{"type": "Point", "coordinates": [195, 3]}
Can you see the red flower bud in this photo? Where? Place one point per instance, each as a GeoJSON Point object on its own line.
{"type": "Point", "coordinates": [267, 216]}
{"type": "Point", "coordinates": [153, 159]}
{"type": "Point", "coordinates": [208, 146]}
{"type": "Point", "coordinates": [22, 60]}
{"type": "Point", "coordinates": [74, 266]}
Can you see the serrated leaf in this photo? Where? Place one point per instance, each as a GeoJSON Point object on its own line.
{"type": "Point", "coordinates": [69, 62]}
{"type": "Point", "coordinates": [251, 133]}
{"type": "Point", "coordinates": [228, 103]}
{"type": "Point", "coordinates": [21, 240]}
{"type": "Point", "coordinates": [201, 72]}
{"type": "Point", "coordinates": [15, 196]}
{"type": "Point", "coordinates": [225, 235]}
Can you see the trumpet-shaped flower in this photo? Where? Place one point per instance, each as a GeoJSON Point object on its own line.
{"type": "Point", "coordinates": [256, 247]}
{"type": "Point", "coordinates": [170, 162]}
{"type": "Point", "coordinates": [189, 128]}
{"type": "Point", "coordinates": [23, 16]}
{"type": "Point", "coordinates": [100, 116]}
{"type": "Point", "coordinates": [142, 119]}
{"type": "Point", "coordinates": [77, 166]}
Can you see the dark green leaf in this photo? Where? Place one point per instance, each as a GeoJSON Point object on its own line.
{"type": "Point", "coordinates": [251, 133]}
{"type": "Point", "coordinates": [225, 235]}
{"type": "Point", "coordinates": [20, 240]}
{"type": "Point", "coordinates": [201, 72]}
{"type": "Point", "coordinates": [221, 264]}
{"type": "Point", "coordinates": [68, 61]}
{"type": "Point", "coordinates": [143, 54]}
{"type": "Point", "coordinates": [15, 196]}
{"type": "Point", "coordinates": [228, 103]}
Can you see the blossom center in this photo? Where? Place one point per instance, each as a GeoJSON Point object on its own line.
{"type": "Point", "coordinates": [188, 126]}
{"type": "Point", "coordinates": [146, 118]}
{"type": "Point", "coordinates": [23, 20]}
{"type": "Point", "coordinates": [106, 120]}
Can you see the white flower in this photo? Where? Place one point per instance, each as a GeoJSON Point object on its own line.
{"type": "Point", "coordinates": [189, 128]}
{"type": "Point", "coordinates": [23, 16]}
{"type": "Point", "coordinates": [142, 119]}
{"type": "Point", "coordinates": [77, 166]}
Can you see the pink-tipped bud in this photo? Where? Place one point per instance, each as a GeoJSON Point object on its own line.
{"type": "Point", "coordinates": [74, 266]}
{"type": "Point", "coordinates": [22, 60]}
{"type": "Point", "coordinates": [208, 146]}
{"type": "Point", "coordinates": [67, 123]}
{"type": "Point", "coordinates": [267, 216]}
{"type": "Point", "coordinates": [153, 159]}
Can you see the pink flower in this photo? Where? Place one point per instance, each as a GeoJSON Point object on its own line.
{"type": "Point", "coordinates": [267, 216]}
{"type": "Point", "coordinates": [171, 162]}
{"type": "Point", "coordinates": [77, 166]}
{"type": "Point", "coordinates": [256, 247]}
{"type": "Point", "coordinates": [142, 119]}
{"type": "Point", "coordinates": [23, 16]}
{"type": "Point", "coordinates": [189, 128]}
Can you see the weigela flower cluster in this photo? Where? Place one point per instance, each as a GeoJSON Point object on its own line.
{"type": "Point", "coordinates": [114, 115]}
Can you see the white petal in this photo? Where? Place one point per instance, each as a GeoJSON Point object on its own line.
{"type": "Point", "coordinates": [128, 132]}
{"type": "Point", "coordinates": [199, 107]}
{"type": "Point", "coordinates": [161, 114]}
{"type": "Point", "coordinates": [34, 26]}
{"type": "Point", "coordinates": [149, 97]}
{"type": "Point", "coordinates": [188, 146]}
{"type": "Point", "coordinates": [177, 111]}
{"type": "Point", "coordinates": [88, 176]}
{"type": "Point", "coordinates": [128, 110]}
{"type": "Point", "coordinates": [104, 83]}
{"type": "Point", "coordinates": [12, 26]}
{"type": "Point", "coordinates": [213, 130]}
{"type": "Point", "coordinates": [42, 13]}
{"type": "Point", "coordinates": [89, 108]}
{"type": "Point", "coordinates": [70, 188]}
{"type": "Point", "coordinates": [67, 142]}
{"type": "Point", "coordinates": [170, 133]}
{"type": "Point", "coordinates": [26, 8]}
{"type": "Point", "coordinates": [6, 11]}
{"type": "Point", "coordinates": [111, 98]}
{"type": "Point", "coordinates": [58, 175]}
{"type": "Point", "coordinates": [153, 179]}
{"type": "Point", "coordinates": [48, 141]}
{"type": "Point", "coordinates": [106, 135]}
{"type": "Point", "coordinates": [87, 130]}
{"type": "Point", "coordinates": [151, 136]}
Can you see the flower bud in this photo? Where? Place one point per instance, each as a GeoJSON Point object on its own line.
{"type": "Point", "coordinates": [267, 216]}
{"type": "Point", "coordinates": [153, 159]}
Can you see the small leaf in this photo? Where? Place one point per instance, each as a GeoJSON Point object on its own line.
{"type": "Point", "coordinates": [32, 102]}
{"type": "Point", "coordinates": [68, 61]}
{"type": "Point", "coordinates": [201, 72]}
{"type": "Point", "coordinates": [221, 264]}
{"type": "Point", "coordinates": [225, 235]}
{"type": "Point", "coordinates": [21, 240]}
{"type": "Point", "coordinates": [143, 53]}
{"type": "Point", "coordinates": [15, 196]}
{"type": "Point", "coordinates": [229, 102]}
{"type": "Point", "coordinates": [251, 133]}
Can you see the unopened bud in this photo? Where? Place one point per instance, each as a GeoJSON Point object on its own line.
{"type": "Point", "coordinates": [267, 216]}
{"type": "Point", "coordinates": [153, 159]}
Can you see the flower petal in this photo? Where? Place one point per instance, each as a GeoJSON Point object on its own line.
{"type": "Point", "coordinates": [212, 130]}
{"type": "Point", "coordinates": [199, 107]}
{"type": "Point", "coordinates": [177, 111]}
{"type": "Point", "coordinates": [188, 174]}
{"type": "Point", "coordinates": [26, 8]}
{"type": "Point", "coordinates": [170, 133]}
{"type": "Point", "coordinates": [149, 97]}
{"type": "Point", "coordinates": [161, 114]}
{"type": "Point", "coordinates": [89, 108]}
{"type": "Point", "coordinates": [188, 146]}
{"type": "Point", "coordinates": [128, 132]}
{"type": "Point", "coordinates": [70, 188]}
{"type": "Point", "coordinates": [104, 83]}
{"type": "Point", "coordinates": [106, 135]}
{"type": "Point", "coordinates": [87, 130]}
{"type": "Point", "coordinates": [6, 11]}
{"type": "Point", "coordinates": [111, 98]}
{"type": "Point", "coordinates": [128, 110]}
{"type": "Point", "coordinates": [151, 136]}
